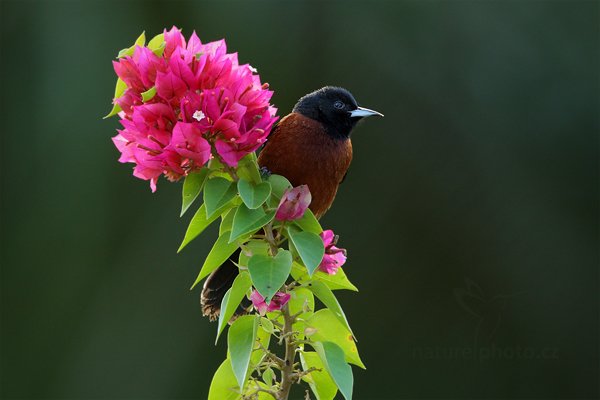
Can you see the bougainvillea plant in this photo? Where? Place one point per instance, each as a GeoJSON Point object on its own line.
{"type": "Point", "coordinates": [190, 112]}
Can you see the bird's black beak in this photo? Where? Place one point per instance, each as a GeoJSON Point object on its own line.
{"type": "Point", "coordinates": [362, 112]}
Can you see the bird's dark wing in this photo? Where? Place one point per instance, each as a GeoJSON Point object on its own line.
{"type": "Point", "coordinates": [344, 177]}
{"type": "Point", "coordinates": [215, 287]}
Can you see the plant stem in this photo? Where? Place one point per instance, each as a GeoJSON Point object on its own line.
{"type": "Point", "coordinates": [280, 363]}
{"type": "Point", "coordinates": [271, 238]}
{"type": "Point", "coordinates": [287, 373]}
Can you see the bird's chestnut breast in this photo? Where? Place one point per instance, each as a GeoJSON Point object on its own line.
{"type": "Point", "coordinates": [300, 149]}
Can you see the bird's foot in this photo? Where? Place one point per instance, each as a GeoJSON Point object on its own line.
{"type": "Point", "coordinates": [265, 173]}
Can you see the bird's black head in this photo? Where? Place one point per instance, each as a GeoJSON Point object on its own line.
{"type": "Point", "coordinates": [335, 108]}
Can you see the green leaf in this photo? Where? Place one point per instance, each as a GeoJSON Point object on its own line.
{"type": "Point", "coordinates": [125, 52]}
{"type": "Point", "coordinates": [303, 300]}
{"type": "Point", "coordinates": [248, 169]}
{"type": "Point", "coordinates": [192, 185]}
{"type": "Point", "coordinates": [337, 281]}
{"type": "Point", "coordinates": [270, 273]}
{"type": "Point", "coordinates": [224, 385]}
{"type": "Point", "coordinates": [247, 221]}
{"type": "Point", "coordinates": [268, 376]}
{"type": "Point", "coordinates": [114, 111]}
{"type": "Point", "coordinates": [333, 282]}
{"type": "Point", "coordinates": [217, 192]}
{"type": "Point", "coordinates": [232, 300]}
{"type": "Point", "coordinates": [119, 90]}
{"type": "Point", "coordinates": [310, 248]}
{"type": "Point", "coordinates": [278, 184]}
{"type": "Point", "coordinates": [215, 165]}
{"type": "Point", "coordinates": [320, 382]}
{"type": "Point", "coordinates": [240, 341]}
{"type": "Point", "coordinates": [328, 298]}
{"type": "Point", "coordinates": [199, 223]}
{"type": "Point", "coordinates": [140, 41]}
{"type": "Point", "coordinates": [226, 221]}
{"type": "Point", "coordinates": [267, 325]}
{"type": "Point", "coordinates": [325, 327]}
{"type": "Point", "coordinates": [253, 195]}
{"type": "Point", "coordinates": [309, 223]}
{"type": "Point", "coordinates": [149, 94]}
{"type": "Point", "coordinates": [250, 248]}
{"type": "Point", "coordinates": [160, 50]}
{"type": "Point", "coordinates": [299, 298]}
{"type": "Point", "coordinates": [220, 174]}
{"type": "Point", "coordinates": [220, 252]}
{"type": "Point", "coordinates": [332, 357]}
{"type": "Point", "coordinates": [264, 338]}
{"type": "Point", "coordinates": [157, 42]}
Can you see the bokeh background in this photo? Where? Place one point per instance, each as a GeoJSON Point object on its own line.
{"type": "Point", "coordinates": [470, 211]}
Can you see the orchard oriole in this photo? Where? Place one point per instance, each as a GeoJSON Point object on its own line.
{"type": "Point", "coordinates": [310, 146]}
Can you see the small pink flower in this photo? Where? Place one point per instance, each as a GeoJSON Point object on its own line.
{"type": "Point", "coordinates": [294, 203]}
{"type": "Point", "coordinates": [148, 65]}
{"type": "Point", "coordinates": [277, 302]}
{"type": "Point", "coordinates": [334, 257]}
{"type": "Point", "coordinates": [170, 87]}
{"type": "Point", "coordinates": [181, 68]}
{"type": "Point", "coordinates": [128, 101]}
{"type": "Point", "coordinates": [129, 72]}
{"type": "Point", "coordinates": [173, 40]}
{"type": "Point", "coordinates": [188, 142]}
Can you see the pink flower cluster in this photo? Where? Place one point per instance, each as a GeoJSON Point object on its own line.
{"type": "Point", "coordinates": [334, 257]}
{"type": "Point", "coordinates": [204, 100]}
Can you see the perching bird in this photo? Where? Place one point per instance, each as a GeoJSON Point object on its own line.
{"type": "Point", "coordinates": [310, 146]}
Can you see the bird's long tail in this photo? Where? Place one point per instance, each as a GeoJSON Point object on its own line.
{"type": "Point", "coordinates": [215, 287]}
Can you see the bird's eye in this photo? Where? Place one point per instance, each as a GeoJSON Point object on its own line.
{"type": "Point", "coordinates": [338, 104]}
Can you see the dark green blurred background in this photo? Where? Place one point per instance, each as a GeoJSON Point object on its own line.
{"type": "Point", "coordinates": [470, 211]}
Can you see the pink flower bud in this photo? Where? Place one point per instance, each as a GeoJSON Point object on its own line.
{"type": "Point", "coordinates": [277, 302]}
{"type": "Point", "coordinates": [293, 204]}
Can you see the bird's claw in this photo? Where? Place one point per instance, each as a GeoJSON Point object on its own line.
{"type": "Point", "coordinates": [265, 173]}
